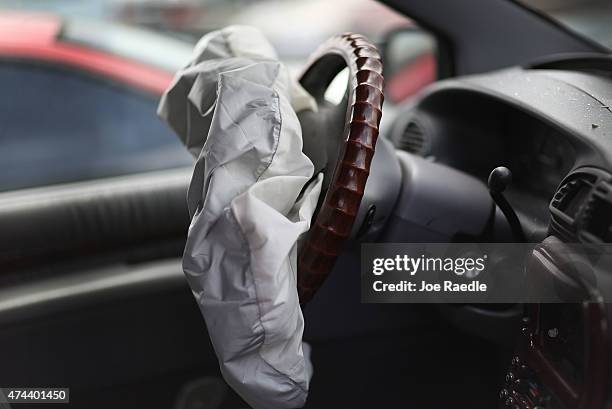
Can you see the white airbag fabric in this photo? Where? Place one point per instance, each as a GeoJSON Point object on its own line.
{"type": "Point", "coordinates": [234, 108]}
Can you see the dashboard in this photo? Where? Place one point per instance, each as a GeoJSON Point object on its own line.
{"type": "Point", "coordinates": [553, 129]}
{"type": "Point", "coordinates": [526, 120]}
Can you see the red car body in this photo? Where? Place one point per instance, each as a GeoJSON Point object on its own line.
{"type": "Point", "coordinates": [37, 36]}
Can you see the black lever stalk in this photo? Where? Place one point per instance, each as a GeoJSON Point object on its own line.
{"type": "Point", "coordinates": [499, 179]}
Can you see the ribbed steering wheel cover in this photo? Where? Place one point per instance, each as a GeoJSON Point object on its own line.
{"type": "Point", "coordinates": [334, 221]}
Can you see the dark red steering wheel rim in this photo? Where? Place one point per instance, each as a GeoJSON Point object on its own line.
{"type": "Point", "coordinates": [334, 221]}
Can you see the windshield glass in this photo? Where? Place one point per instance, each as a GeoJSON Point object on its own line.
{"type": "Point", "coordinates": [591, 18]}
{"type": "Point", "coordinates": [295, 27]}
{"type": "Point", "coordinates": [151, 48]}
{"type": "Point", "coordinates": [81, 79]}
{"type": "Point", "coordinates": [145, 46]}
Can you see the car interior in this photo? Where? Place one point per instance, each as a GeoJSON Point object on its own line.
{"type": "Point", "coordinates": [93, 296]}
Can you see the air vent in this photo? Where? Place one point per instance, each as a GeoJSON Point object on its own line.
{"type": "Point", "coordinates": [596, 218]}
{"type": "Point", "coordinates": [413, 139]}
{"type": "Point", "coordinates": [571, 195]}
{"type": "Point", "coordinates": [568, 202]}
{"type": "Point", "coordinates": [582, 207]}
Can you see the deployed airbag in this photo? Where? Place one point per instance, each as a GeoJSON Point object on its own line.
{"type": "Point", "coordinates": [251, 198]}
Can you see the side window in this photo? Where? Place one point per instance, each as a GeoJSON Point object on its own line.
{"type": "Point", "coordinates": [59, 125]}
{"type": "Point", "coordinates": [410, 62]}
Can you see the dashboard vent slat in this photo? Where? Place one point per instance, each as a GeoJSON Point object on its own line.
{"type": "Point", "coordinates": [596, 223]}
{"type": "Point", "coordinates": [571, 195]}
{"type": "Point", "coordinates": [413, 139]}
{"type": "Point", "coordinates": [581, 209]}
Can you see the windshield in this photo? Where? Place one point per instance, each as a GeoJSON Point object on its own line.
{"type": "Point", "coordinates": [591, 18]}
{"type": "Point", "coordinates": [73, 74]}
{"type": "Point", "coordinates": [145, 46]}
{"type": "Point", "coordinates": [295, 27]}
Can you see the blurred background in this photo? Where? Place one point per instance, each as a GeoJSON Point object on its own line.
{"type": "Point", "coordinates": [81, 78]}
{"type": "Point", "coordinates": [295, 27]}
{"type": "Point", "coordinates": [591, 18]}
{"type": "Point", "coordinates": [310, 21]}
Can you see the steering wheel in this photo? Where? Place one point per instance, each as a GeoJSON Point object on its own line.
{"type": "Point", "coordinates": [340, 140]}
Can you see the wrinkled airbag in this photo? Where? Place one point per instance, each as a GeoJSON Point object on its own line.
{"type": "Point", "coordinates": [251, 198]}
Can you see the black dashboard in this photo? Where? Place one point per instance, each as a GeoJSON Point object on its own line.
{"type": "Point", "coordinates": [553, 129]}
{"type": "Point", "coordinates": [541, 124]}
